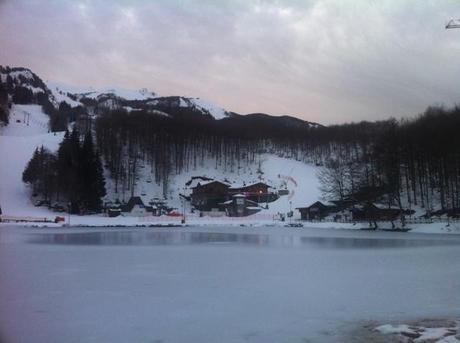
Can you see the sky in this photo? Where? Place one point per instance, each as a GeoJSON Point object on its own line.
{"type": "Point", "coordinates": [328, 61]}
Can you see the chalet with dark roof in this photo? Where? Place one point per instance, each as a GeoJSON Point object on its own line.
{"type": "Point", "coordinates": [316, 211]}
{"type": "Point", "coordinates": [207, 195]}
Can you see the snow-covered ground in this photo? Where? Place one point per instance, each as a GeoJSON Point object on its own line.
{"type": "Point", "coordinates": [18, 141]}
{"type": "Point", "coordinates": [219, 284]}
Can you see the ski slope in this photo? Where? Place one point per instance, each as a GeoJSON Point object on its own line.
{"type": "Point", "coordinates": [18, 141]}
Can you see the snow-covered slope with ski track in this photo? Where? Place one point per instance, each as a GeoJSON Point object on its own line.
{"type": "Point", "coordinates": [28, 129]}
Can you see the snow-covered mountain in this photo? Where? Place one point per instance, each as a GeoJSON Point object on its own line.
{"type": "Point", "coordinates": [96, 100]}
{"type": "Point", "coordinates": [197, 105]}
{"type": "Point", "coordinates": [60, 89]}
{"type": "Point", "coordinates": [28, 128]}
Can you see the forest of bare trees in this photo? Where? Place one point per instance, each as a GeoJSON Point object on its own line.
{"type": "Point", "coordinates": [410, 162]}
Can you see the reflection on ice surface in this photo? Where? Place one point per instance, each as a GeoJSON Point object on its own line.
{"type": "Point", "coordinates": [142, 237]}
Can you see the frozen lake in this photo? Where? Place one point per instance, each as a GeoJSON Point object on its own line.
{"type": "Point", "coordinates": [219, 284]}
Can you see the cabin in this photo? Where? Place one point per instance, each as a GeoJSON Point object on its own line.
{"type": "Point", "coordinates": [207, 195]}
{"type": "Point", "coordinates": [316, 211]}
{"type": "Point", "coordinates": [379, 212]}
{"type": "Point", "coordinates": [136, 208]}
{"type": "Point", "coordinates": [257, 192]}
{"type": "Point", "coordinates": [240, 206]}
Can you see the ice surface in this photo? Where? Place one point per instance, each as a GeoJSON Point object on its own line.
{"type": "Point", "coordinates": [217, 284]}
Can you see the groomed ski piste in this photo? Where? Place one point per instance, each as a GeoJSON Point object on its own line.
{"type": "Point", "coordinates": [28, 129]}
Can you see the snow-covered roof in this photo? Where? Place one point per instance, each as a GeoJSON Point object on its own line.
{"type": "Point", "coordinates": [204, 183]}
{"type": "Point", "coordinates": [249, 184]}
{"type": "Point", "coordinates": [228, 202]}
{"type": "Point", "coordinates": [386, 207]}
{"type": "Point", "coordinates": [327, 204]}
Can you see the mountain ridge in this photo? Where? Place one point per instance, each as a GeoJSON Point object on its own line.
{"type": "Point", "coordinates": [93, 101]}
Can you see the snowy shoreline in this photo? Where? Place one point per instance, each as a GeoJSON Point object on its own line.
{"type": "Point", "coordinates": [168, 222]}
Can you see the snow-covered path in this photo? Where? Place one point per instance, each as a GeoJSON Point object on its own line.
{"type": "Point", "coordinates": [218, 284]}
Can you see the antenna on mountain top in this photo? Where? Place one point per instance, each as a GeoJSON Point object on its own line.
{"type": "Point", "coordinates": [453, 24]}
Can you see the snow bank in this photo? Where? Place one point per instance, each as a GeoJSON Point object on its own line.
{"type": "Point", "coordinates": [420, 333]}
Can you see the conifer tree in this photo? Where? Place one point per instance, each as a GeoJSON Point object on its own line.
{"type": "Point", "coordinates": [91, 176]}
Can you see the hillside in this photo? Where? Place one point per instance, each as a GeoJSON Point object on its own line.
{"type": "Point", "coordinates": [35, 104]}
{"type": "Point", "coordinates": [18, 141]}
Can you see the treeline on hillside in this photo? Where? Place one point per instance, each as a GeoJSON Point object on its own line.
{"type": "Point", "coordinates": [73, 176]}
{"type": "Point", "coordinates": [171, 145]}
{"type": "Point", "coordinates": [4, 106]}
{"type": "Point", "coordinates": [404, 163]}
{"type": "Point", "coordinates": [411, 162]}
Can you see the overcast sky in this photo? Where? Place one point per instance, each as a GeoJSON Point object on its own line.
{"type": "Point", "coordinates": [325, 61]}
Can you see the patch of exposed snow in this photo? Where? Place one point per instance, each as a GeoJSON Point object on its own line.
{"type": "Point", "coordinates": [60, 94]}
{"type": "Point", "coordinates": [24, 73]}
{"type": "Point", "coordinates": [160, 113]}
{"type": "Point", "coordinates": [216, 111]}
{"type": "Point", "coordinates": [183, 103]}
{"type": "Point", "coordinates": [93, 93]}
{"type": "Point", "coordinates": [421, 333]}
{"type": "Point", "coordinates": [35, 90]}
{"type": "Point", "coordinates": [430, 334]}
{"type": "Point", "coordinates": [389, 329]}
